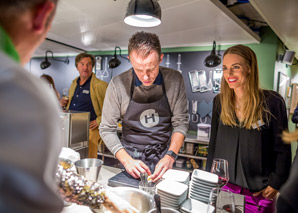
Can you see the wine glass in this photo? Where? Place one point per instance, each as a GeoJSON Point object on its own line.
{"type": "Point", "coordinates": [221, 200]}
{"type": "Point", "coordinates": [220, 167]}
{"type": "Point", "coordinates": [65, 95]}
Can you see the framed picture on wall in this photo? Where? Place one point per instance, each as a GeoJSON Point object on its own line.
{"type": "Point", "coordinates": [283, 85]}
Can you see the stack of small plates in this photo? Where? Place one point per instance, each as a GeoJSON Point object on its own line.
{"type": "Point", "coordinates": [177, 175]}
{"type": "Point", "coordinates": [195, 206]}
{"type": "Point", "coordinates": [172, 194]}
{"type": "Point", "coordinates": [201, 184]}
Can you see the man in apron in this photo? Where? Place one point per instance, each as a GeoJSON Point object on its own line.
{"type": "Point", "coordinates": [151, 103]}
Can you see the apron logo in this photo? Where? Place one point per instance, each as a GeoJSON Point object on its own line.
{"type": "Point", "coordinates": [149, 118]}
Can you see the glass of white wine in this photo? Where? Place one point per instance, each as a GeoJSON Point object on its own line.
{"type": "Point", "coordinates": [65, 95]}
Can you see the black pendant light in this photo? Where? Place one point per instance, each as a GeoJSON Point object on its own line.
{"type": "Point", "coordinates": [143, 13]}
{"type": "Point", "coordinates": [115, 62]}
{"type": "Point", "coordinates": [45, 64]}
{"type": "Point", "coordinates": [212, 60]}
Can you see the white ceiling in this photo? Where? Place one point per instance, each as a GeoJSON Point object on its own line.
{"type": "Point", "coordinates": [184, 23]}
{"type": "Point", "coordinates": [282, 17]}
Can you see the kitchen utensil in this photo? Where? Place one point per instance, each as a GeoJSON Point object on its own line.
{"type": "Point", "coordinates": [203, 81]}
{"type": "Point", "coordinates": [98, 65]}
{"type": "Point", "coordinates": [105, 73]}
{"type": "Point", "coordinates": [157, 203]}
{"type": "Point", "coordinates": [194, 116]}
{"type": "Point", "coordinates": [179, 63]}
{"type": "Point", "coordinates": [217, 75]}
{"type": "Point", "coordinates": [194, 80]}
{"type": "Point", "coordinates": [210, 85]}
{"type": "Point", "coordinates": [194, 104]}
{"type": "Point", "coordinates": [168, 60]}
{"type": "Point", "coordinates": [187, 106]}
{"type": "Point", "coordinates": [89, 168]}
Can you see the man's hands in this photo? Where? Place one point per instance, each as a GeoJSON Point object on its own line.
{"type": "Point", "coordinates": [162, 166]}
{"type": "Point", "coordinates": [268, 193]}
{"type": "Point", "coordinates": [63, 102]}
{"type": "Point", "coordinates": [136, 167]}
{"type": "Point", "coordinates": [132, 166]}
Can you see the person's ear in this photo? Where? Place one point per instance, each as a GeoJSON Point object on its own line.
{"type": "Point", "coordinates": [161, 57]}
{"type": "Point", "coordinates": [42, 16]}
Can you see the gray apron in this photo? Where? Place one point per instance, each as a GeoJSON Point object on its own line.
{"type": "Point", "coordinates": [147, 129]}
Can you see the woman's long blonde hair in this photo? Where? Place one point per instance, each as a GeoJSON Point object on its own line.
{"type": "Point", "coordinates": [253, 101]}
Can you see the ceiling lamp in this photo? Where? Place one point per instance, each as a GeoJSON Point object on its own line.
{"type": "Point", "coordinates": [143, 13]}
{"type": "Point", "coordinates": [45, 64]}
{"type": "Point", "coordinates": [212, 60]}
{"type": "Point", "coordinates": [115, 62]}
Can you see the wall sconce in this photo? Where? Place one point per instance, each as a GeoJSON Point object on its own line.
{"type": "Point", "coordinates": [212, 60]}
{"type": "Point", "coordinates": [115, 62]}
{"type": "Point", "coordinates": [45, 64]}
{"type": "Point", "coordinates": [143, 13]}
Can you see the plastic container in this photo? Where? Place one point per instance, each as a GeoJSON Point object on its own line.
{"type": "Point", "coordinates": [180, 162]}
{"type": "Point", "coordinates": [203, 131]}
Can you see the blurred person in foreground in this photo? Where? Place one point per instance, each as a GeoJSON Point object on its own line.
{"type": "Point", "coordinates": [30, 127]}
{"type": "Point", "coordinates": [30, 136]}
{"type": "Point", "coordinates": [287, 200]}
{"type": "Point", "coordinates": [246, 128]}
{"type": "Point", "coordinates": [150, 100]}
{"type": "Point", "coordinates": [87, 93]}
{"type": "Point", "coordinates": [50, 81]}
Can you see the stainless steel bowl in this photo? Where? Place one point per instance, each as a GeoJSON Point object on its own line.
{"type": "Point", "coordinates": [89, 168]}
{"type": "Point", "coordinates": [139, 199]}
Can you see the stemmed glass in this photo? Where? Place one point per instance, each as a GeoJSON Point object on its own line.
{"type": "Point", "coordinates": [221, 200]}
{"type": "Point", "coordinates": [220, 167]}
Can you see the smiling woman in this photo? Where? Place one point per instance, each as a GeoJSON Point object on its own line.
{"type": "Point", "coordinates": [247, 122]}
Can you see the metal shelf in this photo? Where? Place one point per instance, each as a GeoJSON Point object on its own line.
{"type": "Point", "coordinates": [192, 156]}
{"type": "Point", "coordinates": [105, 154]}
{"type": "Point", "coordinates": [191, 138]}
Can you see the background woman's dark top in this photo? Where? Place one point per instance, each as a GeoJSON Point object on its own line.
{"type": "Point", "coordinates": [257, 158]}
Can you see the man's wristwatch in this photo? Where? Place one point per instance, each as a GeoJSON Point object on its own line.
{"type": "Point", "coordinates": [172, 154]}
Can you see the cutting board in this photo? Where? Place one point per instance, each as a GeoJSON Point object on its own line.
{"type": "Point", "coordinates": [123, 179]}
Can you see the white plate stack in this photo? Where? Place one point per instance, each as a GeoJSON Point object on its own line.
{"type": "Point", "coordinates": [172, 194]}
{"type": "Point", "coordinates": [201, 184]}
{"type": "Point", "coordinates": [195, 206]}
{"type": "Point", "coordinates": [177, 175]}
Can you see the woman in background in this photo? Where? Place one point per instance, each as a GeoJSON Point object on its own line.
{"type": "Point", "coordinates": [246, 126]}
{"type": "Point", "coordinates": [50, 81]}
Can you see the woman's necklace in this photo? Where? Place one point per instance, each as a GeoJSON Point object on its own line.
{"type": "Point", "coordinates": [237, 105]}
